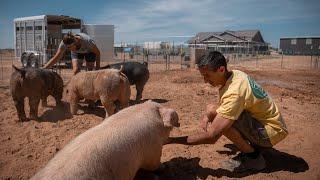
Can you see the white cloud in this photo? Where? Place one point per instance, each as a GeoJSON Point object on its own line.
{"type": "Point", "coordinates": [158, 19]}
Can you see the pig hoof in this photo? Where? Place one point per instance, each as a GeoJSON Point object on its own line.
{"type": "Point", "coordinates": [23, 119]}
{"type": "Point", "coordinates": [60, 104]}
{"type": "Point", "coordinates": [91, 106]}
{"type": "Point", "coordinates": [78, 112]}
{"type": "Point", "coordinates": [34, 117]}
{"type": "Point", "coordinates": [168, 141]}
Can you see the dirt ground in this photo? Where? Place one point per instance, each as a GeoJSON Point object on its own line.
{"type": "Point", "coordinates": [25, 147]}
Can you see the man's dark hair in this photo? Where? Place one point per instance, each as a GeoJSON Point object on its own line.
{"type": "Point", "coordinates": [68, 38]}
{"type": "Point", "coordinates": [212, 59]}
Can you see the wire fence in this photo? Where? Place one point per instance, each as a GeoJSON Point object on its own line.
{"type": "Point", "coordinates": [158, 62]}
{"type": "Point", "coordinates": [277, 61]}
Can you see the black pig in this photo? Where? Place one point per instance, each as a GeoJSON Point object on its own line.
{"type": "Point", "coordinates": [137, 73]}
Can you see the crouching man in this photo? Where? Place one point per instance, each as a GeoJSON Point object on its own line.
{"type": "Point", "coordinates": [246, 115]}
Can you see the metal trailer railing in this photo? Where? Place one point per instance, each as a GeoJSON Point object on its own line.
{"type": "Point", "coordinates": [41, 35]}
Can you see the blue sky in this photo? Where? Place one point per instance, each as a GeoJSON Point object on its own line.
{"type": "Point", "coordinates": [154, 20]}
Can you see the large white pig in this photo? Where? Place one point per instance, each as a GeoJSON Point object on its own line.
{"type": "Point", "coordinates": [117, 148]}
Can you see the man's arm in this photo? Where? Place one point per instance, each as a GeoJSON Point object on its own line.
{"type": "Point", "coordinates": [96, 51]}
{"type": "Point", "coordinates": [211, 111]}
{"type": "Point", "coordinates": [54, 59]}
{"type": "Point", "coordinates": [213, 133]}
{"type": "Point", "coordinates": [209, 116]}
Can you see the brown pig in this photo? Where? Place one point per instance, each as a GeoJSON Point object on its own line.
{"type": "Point", "coordinates": [109, 86]}
{"type": "Point", "coordinates": [35, 84]}
{"type": "Point", "coordinates": [117, 148]}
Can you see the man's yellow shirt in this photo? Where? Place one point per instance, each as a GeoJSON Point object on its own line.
{"type": "Point", "coordinates": [241, 93]}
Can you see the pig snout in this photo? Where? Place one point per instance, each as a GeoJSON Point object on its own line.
{"type": "Point", "coordinates": [170, 117]}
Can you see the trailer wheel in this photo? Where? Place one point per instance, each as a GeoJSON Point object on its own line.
{"type": "Point", "coordinates": [25, 60]}
{"type": "Point", "coordinates": [34, 61]}
{"type": "Point", "coordinates": [29, 59]}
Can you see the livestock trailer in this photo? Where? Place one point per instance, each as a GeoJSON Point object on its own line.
{"type": "Point", "coordinates": [41, 36]}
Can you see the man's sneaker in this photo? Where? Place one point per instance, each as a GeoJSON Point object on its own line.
{"type": "Point", "coordinates": [233, 163]}
{"type": "Point", "coordinates": [242, 163]}
{"type": "Point", "coordinates": [251, 164]}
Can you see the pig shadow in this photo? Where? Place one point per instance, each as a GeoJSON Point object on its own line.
{"type": "Point", "coordinates": [97, 111]}
{"type": "Point", "coordinates": [56, 113]}
{"type": "Point", "coordinates": [160, 101]}
{"type": "Point", "coordinates": [189, 168]}
{"type": "Point", "coordinates": [156, 100]}
{"type": "Point", "coordinates": [134, 102]}
{"type": "Point", "coordinates": [61, 113]}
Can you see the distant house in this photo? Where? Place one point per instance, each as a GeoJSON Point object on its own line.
{"type": "Point", "coordinates": [152, 45]}
{"type": "Point", "coordinates": [245, 41]}
{"type": "Point", "coordinates": [300, 45]}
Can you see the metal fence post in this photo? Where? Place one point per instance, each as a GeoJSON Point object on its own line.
{"type": "Point", "coordinates": [1, 66]}
{"type": "Point", "coordinates": [281, 58]}
{"type": "Point", "coordinates": [167, 64]}
{"type": "Point", "coordinates": [256, 60]}
{"type": "Point", "coordinates": [311, 62]}
{"type": "Point", "coordinates": [181, 61]}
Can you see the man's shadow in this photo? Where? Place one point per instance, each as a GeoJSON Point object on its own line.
{"type": "Point", "coordinates": [275, 161]}
{"type": "Point", "coordinates": [189, 168]}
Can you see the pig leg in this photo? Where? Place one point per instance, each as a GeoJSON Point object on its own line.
{"type": "Point", "coordinates": [118, 106]}
{"type": "Point", "coordinates": [153, 162]}
{"type": "Point", "coordinates": [123, 104]}
{"type": "Point", "coordinates": [74, 104]}
{"type": "Point", "coordinates": [124, 98]}
{"type": "Point", "coordinates": [44, 102]}
{"type": "Point", "coordinates": [108, 105]}
{"type": "Point", "coordinates": [34, 103]}
{"type": "Point", "coordinates": [19, 103]}
{"type": "Point", "coordinates": [91, 104]}
{"type": "Point", "coordinates": [139, 88]}
{"type": "Point", "coordinates": [58, 98]}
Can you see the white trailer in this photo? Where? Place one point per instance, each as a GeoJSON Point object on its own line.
{"type": "Point", "coordinates": [41, 36]}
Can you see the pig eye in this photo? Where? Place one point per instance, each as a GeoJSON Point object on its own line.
{"type": "Point", "coordinates": [67, 91]}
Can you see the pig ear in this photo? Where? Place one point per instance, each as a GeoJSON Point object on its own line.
{"type": "Point", "coordinates": [121, 68]}
{"type": "Point", "coordinates": [15, 68]}
{"type": "Point", "coordinates": [21, 71]}
{"type": "Point", "coordinates": [165, 117]}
